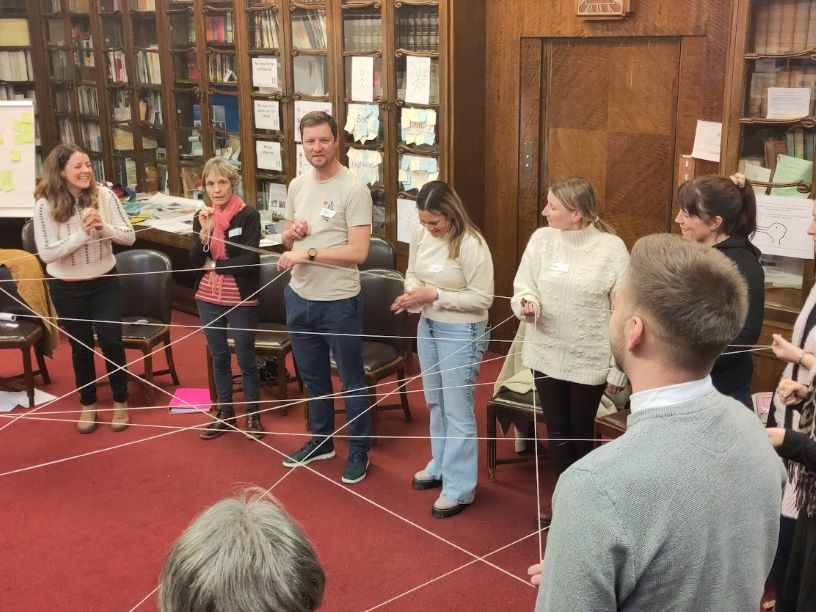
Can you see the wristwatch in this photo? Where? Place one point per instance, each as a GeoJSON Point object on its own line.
{"type": "Point", "coordinates": [312, 253]}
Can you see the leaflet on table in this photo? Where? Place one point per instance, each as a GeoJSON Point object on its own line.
{"type": "Point", "coordinates": [418, 126]}
{"type": "Point", "coordinates": [416, 170]}
{"type": "Point", "coordinates": [363, 122]}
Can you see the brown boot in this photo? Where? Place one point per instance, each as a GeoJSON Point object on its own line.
{"type": "Point", "coordinates": [120, 419]}
{"type": "Point", "coordinates": [254, 427]}
{"type": "Point", "coordinates": [226, 422]}
{"type": "Point", "coordinates": [87, 419]}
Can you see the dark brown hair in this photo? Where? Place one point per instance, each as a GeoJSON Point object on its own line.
{"type": "Point", "coordinates": [52, 185]}
{"type": "Point", "coordinates": [712, 196]}
{"type": "Point", "coordinates": [318, 118]}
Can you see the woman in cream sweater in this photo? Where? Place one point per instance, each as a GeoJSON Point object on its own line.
{"type": "Point", "coordinates": [563, 293]}
{"type": "Point", "coordinates": [450, 279]}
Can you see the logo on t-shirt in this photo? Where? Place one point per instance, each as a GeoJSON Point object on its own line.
{"type": "Point", "coordinates": [328, 211]}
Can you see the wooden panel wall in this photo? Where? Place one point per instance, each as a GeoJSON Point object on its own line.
{"type": "Point", "coordinates": [513, 30]}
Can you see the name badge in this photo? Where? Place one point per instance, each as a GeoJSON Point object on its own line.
{"type": "Point", "coordinates": [559, 266]}
{"type": "Point", "coordinates": [435, 268]}
{"type": "Point", "coordinates": [327, 213]}
{"type": "Point", "coordinates": [234, 232]}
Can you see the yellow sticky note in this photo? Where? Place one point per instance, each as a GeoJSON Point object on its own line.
{"type": "Point", "coordinates": [6, 181]}
{"type": "Point", "coordinates": [15, 156]}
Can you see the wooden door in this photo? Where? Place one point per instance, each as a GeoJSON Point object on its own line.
{"type": "Point", "coordinates": [607, 113]}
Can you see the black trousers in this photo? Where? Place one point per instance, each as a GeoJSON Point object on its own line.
{"type": "Point", "coordinates": [569, 411]}
{"type": "Point", "coordinates": [98, 299]}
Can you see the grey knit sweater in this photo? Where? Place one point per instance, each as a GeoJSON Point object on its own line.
{"type": "Point", "coordinates": [680, 513]}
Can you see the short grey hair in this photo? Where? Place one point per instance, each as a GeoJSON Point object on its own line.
{"type": "Point", "coordinates": [694, 297]}
{"type": "Point", "coordinates": [224, 168]}
{"type": "Point", "coordinates": [243, 554]}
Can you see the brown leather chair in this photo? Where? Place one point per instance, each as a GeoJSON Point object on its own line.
{"type": "Point", "coordinates": [508, 407]}
{"type": "Point", "coordinates": [381, 255]}
{"type": "Point", "coordinates": [28, 241]}
{"type": "Point", "coordinates": [384, 346]}
{"type": "Point", "coordinates": [146, 297]}
{"type": "Point", "coordinates": [22, 334]}
{"type": "Point", "coordinates": [272, 337]}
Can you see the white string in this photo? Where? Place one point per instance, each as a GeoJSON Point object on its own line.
{"type": "Point", "coordinates": [535, 446]}
{"type": "Point", "coordinates": [144, 599]}
{"type": "Point", "coordinates": [453, 571]}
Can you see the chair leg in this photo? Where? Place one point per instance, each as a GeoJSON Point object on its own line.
{"type": "Point", "coordinates": [148, 374]}
{"type": "Point", "coordinates": [171, 365]}
{"type": "Point", "coordinates": [41, 365]}
{"type": "Point", "coordinates": [29, 375]}
{"type": "Point", "coordinates": [491, 442]}
{"type": "Point", "coordinates": [401, 381]}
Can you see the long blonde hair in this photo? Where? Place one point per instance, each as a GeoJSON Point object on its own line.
{"type": "Point", "coordinates": [439, 198]}
{"type": "Point", "coordinates": [52, 185]}
{"type": "Point", "coordinates": [577, 193]}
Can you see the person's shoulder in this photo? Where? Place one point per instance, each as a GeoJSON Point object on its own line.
{"type": "Point", "coordinates": [474, 243]}
{"type": "Point", "coordinates": [543, 235]}
{"type": "Point", "coordinates": [106, 195]}
{"type": "Point", "coordinates": [612, 241]}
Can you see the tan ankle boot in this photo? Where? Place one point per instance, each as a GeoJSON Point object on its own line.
{"type": "Point", "coordinates": [120, 419]}
{"type": "Point", "coordinates": [87, 419]}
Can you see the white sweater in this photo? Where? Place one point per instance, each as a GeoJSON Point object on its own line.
{"type": "Point", "coordinates": [570, 276]}
{"type": "Point", "coordinates": [70, 252]}
{"type": "Point", "coordinates": [464, 285]}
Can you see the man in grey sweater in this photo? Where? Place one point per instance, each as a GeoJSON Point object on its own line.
{"type": "Point", "coordinates": [682, 511]}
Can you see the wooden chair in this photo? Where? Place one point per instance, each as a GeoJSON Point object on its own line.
{"type": "Point", "coordinates": [272, 336]}
{"type": "Point", "coordinates": [516, 408]}
{"type": "Point", "coordinates": [146, 308]}
{"type": "Point", "coordinates": [22, 334]}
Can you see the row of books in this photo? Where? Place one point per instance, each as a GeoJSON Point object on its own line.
{"type": "Point", "coordinates": [219, 28]}
{"type": "Point", "coordinates": [778, 73]}
{"type": "Point", "coordinates": [98, 168]}
{"type": "Point", "coordinates": [10, 92]}
{"type": "Point", "coordinates": [362, 30]}
{"type": "Point", "coordinates": [59, 64]}
{"type": "Point", "coordinates": [150, 109]}
{"type": "Point", "coordinates": [87, 100]}
{"type": "Point", "coordinates": [221, 68]}
{"type": "Point", "coordinates": [117, 68]}
{"type": "Point", "coordinates": [66, 130]}
{"type": "Point", "coordinates": [14, 33]}
{"type": "Point", "coordinates": [81, 36]}
{"type": "Point", "coordinates": [186, 63]}
{"type": "Point", "coordinates": [148, 69]}
{"type": "Point", "coordinates": [418, 29]}
{"type": "Point", "coordinates": [182, 30]}
{"type": "Point", "coordinates": [794, 143]}
{"type": "Point", "coordinates": [62, 103]}
{"type": "Point", "coordinates": [142, 5]}
{"type": "Point", "coordinates": [263, 30]}
{"type": "Point", "coordinates": [784, 26]}
{"type": "Point", "coordinates": [78, 6]}
{"type": "Point", "coordinates": [309, 30]}
{"type": "Point", "coordinates": [91, 135]}
{"type": "Point", "coordinates": [16, 66]}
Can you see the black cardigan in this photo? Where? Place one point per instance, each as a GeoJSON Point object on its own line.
{"type": "Point", "coordinates": [731, 372]}
{"type": "Point", "coordinates": [248, 278]}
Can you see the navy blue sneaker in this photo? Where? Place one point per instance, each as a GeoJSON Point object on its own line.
{"type": "Point", "coordinates": [314, 450]}
{"type": "Point", "coordinates": [356, 467]}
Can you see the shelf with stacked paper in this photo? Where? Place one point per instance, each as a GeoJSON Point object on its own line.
{"type": "Point", "coordinates": [772, 139]}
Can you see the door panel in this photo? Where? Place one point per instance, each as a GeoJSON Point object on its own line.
{"type": "Point", "coordinates": [609, 114]}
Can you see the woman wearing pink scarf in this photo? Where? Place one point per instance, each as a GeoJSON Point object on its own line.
{"type": "Point", "coordinates": [226, 291]}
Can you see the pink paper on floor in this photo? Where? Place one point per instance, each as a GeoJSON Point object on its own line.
{"type": "Point", "coordinates": [186, 400]}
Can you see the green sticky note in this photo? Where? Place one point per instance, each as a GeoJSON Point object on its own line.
{"type": "Point", "coordinates": [15, 156]}
{"type": "Point", "coordinates": [24, 135]}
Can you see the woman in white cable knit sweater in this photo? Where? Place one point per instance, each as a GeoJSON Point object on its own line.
{"type": "Point", "coordinates": [75, 222]}
{"type": "Point", "coordinates": [563, 293]}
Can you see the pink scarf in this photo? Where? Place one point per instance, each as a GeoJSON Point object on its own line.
{"type": "Point", "coordinates": [223, 218]}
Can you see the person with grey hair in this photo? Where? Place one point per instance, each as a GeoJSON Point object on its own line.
{"type": "Point", "coordinates": [242, 554]}
{"type": "Point", "coordinates": [680, 512]}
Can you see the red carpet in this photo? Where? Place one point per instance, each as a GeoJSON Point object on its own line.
{"type": "Point", "coordinates": [92, 533]}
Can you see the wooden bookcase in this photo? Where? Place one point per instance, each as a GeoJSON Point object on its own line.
{"type": "Point", "coordinates": [179, 81]}
{"type": "Point", "coordinates": [774, 45]}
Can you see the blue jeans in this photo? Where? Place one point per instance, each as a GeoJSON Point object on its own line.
{"type": "Point", "coordinates": [449, 394]}
{"type": "Point", "coordinates": [324, 321]}
{"type": "Point", "coordinates": [241, 318]}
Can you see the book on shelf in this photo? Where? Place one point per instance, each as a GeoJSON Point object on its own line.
{"type": "Point", "coordinates": [87, 100]}
{"type": "Point", "coordinates": [16, 66]}
{"type": "Point", "coordinates": [221, 68]}
{"type": "Point", "coordinates": [801, 20]}
{"type": "Point", "coordinates": [78, 6]}
{"type": "Point", "coordinates": [56, 31]}
{"type": "Point", "coordinates": [774, 147]}
{"type": "Point", "coordinates": [143, 5]}
{"type": "Point", "coordinates": [811, 29]}
{"type": "Point", "coordinates": [774, 41]}
{"type": "Point", "coordinates": [91, 135]}
{"type": "Point", "coordinates": [264, 32]}
{"type": "Point", "coordinates": [117, 68]}
{"type": "Point", "coordinates": [309, 30]}
{"type": "Point", "coordinates": [148, 69]}
{"type": "Point", "coordinates": [219, 28]}
{"type": "Point", "coordinates": [14, 33]}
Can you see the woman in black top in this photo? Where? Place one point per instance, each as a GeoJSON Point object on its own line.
{"type": "Point", "coordinates": [721, 212]}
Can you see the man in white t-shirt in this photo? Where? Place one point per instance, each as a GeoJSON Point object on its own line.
{"type": "Point", "coordinates": [328, 229]}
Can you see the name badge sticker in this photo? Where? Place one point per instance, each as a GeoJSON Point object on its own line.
{"type": "Point", "coordinates": [327, 213]}
{"type": "Point", "coordinates": [559, 266]}
{"type": "Point", "coordinates": [435, 268]}
{"type": "Point", "coordinates": [235, 232]}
